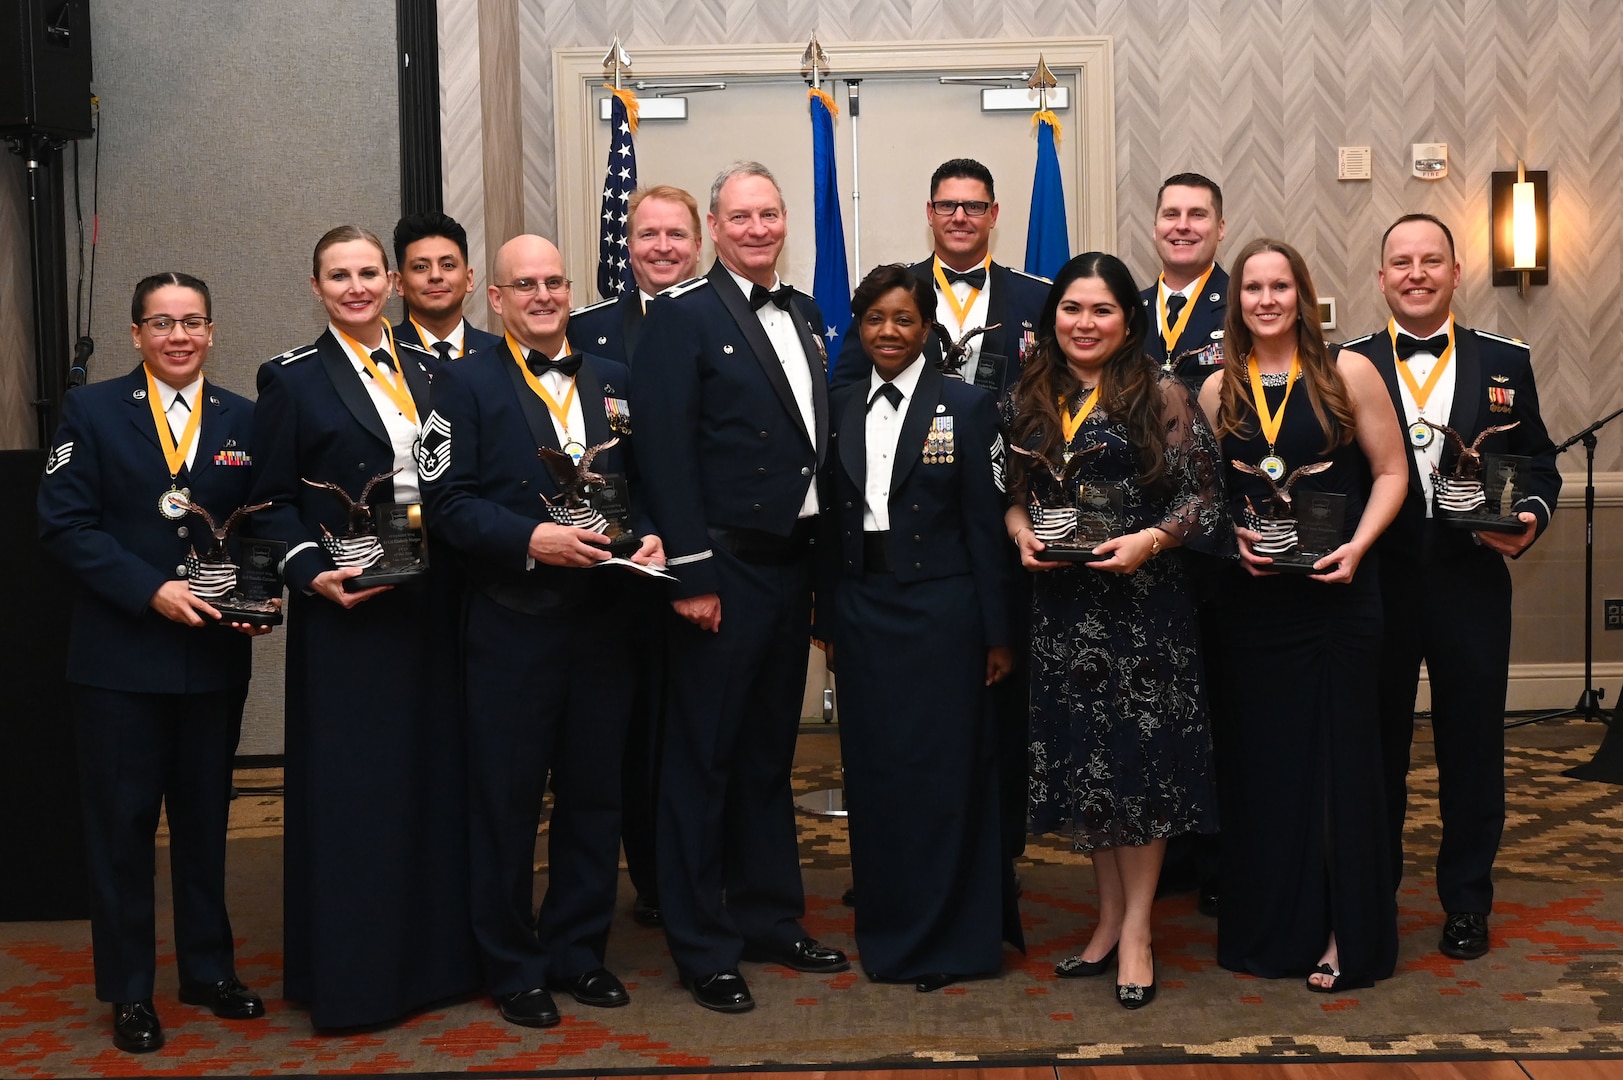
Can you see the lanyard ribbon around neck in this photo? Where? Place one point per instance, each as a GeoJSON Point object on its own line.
{"type": "Point", "coordinates": [174, 451]}
{"type": "Point", "coordinates": [1071, 423]}
{"type": "Point", "coordinates": [1421, 393]}
{"type": "Point", "coordinates": [1174, 333]}
{"type": "Point", "coordinates": [1271, 421]}
{"type": "Point", "coordinates": [393, 386]}
{"type": "Point", "coordinates": [959, 311]}
{"type": "Point", "coordinates": [558, 409]}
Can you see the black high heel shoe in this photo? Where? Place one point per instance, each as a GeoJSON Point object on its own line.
{"type": "Point", "coordinates": [1077, 968]}
{"type": "Point", "coordinates": [1134, 996]}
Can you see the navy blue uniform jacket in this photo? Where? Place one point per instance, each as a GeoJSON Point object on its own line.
{"type": "Point", "coordinates": [483, 480]}
{"type": "Point", "coordinates": [1016, 302]}
{"type": "Point", "coordinates": [321, 425]}
{"type": "Point", "coordinates": [946, 517]}
{"type": "Point", "coordinates": [1486, 366]}
{"type": "Point", "coordinates": [608, 328]}
{"type": "Point", "coordinates": [98, 514]}
{"type": "Point", "coordinates": [720, 439]}
{"type": "Point", "coordinates": [1200, 347]}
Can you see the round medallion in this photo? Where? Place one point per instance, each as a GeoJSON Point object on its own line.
{"type": "Point", "coordinates": [172, 504]}
{"type": "Point", "coordinates": [1421, 434]}
{"type": "Point", "coordinates": [575, 450]}
{"type": "Point", "coordinates": [1272, 466]}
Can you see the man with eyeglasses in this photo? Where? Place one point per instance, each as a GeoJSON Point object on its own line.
{"type": "Point", "coordinates": [545, 661]}
{"type": "Point", "coordinates": [663, 240]}
{"type": "Point", "coordinates": [431, 250]}
{"type": "Point", "coordinates": [731, 408]}
{"type": "Point", "coordinates": [1188, 302]}
{"type": "Point", "coordinates": [972, 291]}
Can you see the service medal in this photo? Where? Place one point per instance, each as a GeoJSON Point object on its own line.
{"type": "Point", "coordinates": [1272, 466]}
{"type": "Point", "coordinates": [1421, 434]}
{"type": "Point", "coordinates": [172, 503]}
{"type": "Point", "coordinates": [575, 450]}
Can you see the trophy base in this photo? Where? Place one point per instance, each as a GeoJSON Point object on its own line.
{"type": "Point", "coordinates": [378, 574]}
{"type": "Point", "coordinates": [251, 612]}
{"type": "Point", "coordinates": [1296, 562]}
{"type": "Point", "coordinates": [621, 547]}
{"type": "Point", "coordinates": [1481, 521]}
{"type": "Point", "coordinates": [1055, 553]}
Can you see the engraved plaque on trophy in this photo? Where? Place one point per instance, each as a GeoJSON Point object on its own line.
{"type": "Point", "coordinates": [387, 540]}
{"type": "Point", "coordinates": [1085, 515]}
{"type": "Point", "coordinates": [248, 590]}
{"type": "Point", "coordinates": [591, 500]}
{"type": "Point", "coordinates": [1295, 528]}
{"type": "Point", "coordinates": [1479, 492]}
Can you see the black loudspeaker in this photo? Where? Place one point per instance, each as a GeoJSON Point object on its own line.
{"type": "Point", "coordinates": [42, 849]}
{"type": "Point", "coordinates": [45, 68]}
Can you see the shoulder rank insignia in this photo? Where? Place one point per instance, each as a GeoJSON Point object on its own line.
{"type": "Point", "coordinates": [1356, 341]}
{"type": "Point", "coordinates": [1023, 274]}
{"type": "Point", "coordinates": [1500, 337]}
{"type": "Point", "coordinates": [295, 354]}
{"type": "Point", "coordinates": [58, 457]}
{"type": "Point", "coordinates": [682, 288]}
{"type": "Point", "coordinates": [610, 302]}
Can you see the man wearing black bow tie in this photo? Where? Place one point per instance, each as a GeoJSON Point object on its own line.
{"type": "Point", "coordinates": [972, 291]}
{"type": "Point", "coordinates": [1446, 590]}
{"type": "Point", "coordinates": [731, 401]}
{"type": "Point", "coordinates": [546, 683]}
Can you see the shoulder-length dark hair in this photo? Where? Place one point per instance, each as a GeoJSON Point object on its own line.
{"type": "Point", "coordinates": [1236, 415]}
{"type": "Point", "coordinates": [1128, 386]}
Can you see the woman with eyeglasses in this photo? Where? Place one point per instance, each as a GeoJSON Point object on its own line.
{"type": "Point", "coordinates": [376, 912]}
{"type": "Point", "coordinates": [157, 679]}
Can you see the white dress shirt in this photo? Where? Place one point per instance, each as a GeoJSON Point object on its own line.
{"type": "Point", "coordinates": [1439, 405]}
{"type": "Point", "coordinates": [456, 337]}
{"type": "Point", "coordinates": [557, 384]}
{"type": "Point", "coordinates": [178, 405]}
{"type": "Point", "coordinates": [780, 330]}
{"type": "Point", "coordinates": [402, 432]}
{"type": "Point", "coordinates": [884, 426]}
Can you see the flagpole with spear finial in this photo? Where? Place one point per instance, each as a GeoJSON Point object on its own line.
{"type": "Point", "coordinates": [1042, 81]}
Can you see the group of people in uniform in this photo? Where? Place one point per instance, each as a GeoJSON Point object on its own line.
{"type": "Point", "coordinates": [892, 512]}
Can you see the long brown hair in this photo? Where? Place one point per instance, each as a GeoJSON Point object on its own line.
{"type": "Point", "coordinates": [1128, 385]}
{"type": "Point", "coordinates": [1236, 414]}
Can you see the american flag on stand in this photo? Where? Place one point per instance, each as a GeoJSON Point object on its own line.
{"type": "Point", "coordinates": [619, 181]}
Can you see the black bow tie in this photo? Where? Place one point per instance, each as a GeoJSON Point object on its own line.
{"type": "Point", "coordinates": [890, 392]}
{"type": "Point", "coordinates": [1407, 346]}
{"type": "Point", "coordinates": [564, 365]}
{"type": "Point", "coordinates": [975, 279]}
{"type": "Point", "coordinates": [382, 359]}
{"type": "Point", "coordinates": [760, 297]}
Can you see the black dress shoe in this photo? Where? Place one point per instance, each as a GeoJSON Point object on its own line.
{"type": "Point", "coordinates": [1209, 900]}
{"type": "Point", "coordinates": [849, 897]}
{"type": "Point", "coordinates": [1465, 936]}
{"type": "Point", "coordinates": [528, 1008]}
{"type": "Point", "coordinates": [645, 912]}
{"type": "Point", "coordinates": [135, 1027]}
{"type": "Point", "coordinates": [599, 988]}
{"type": "Point", "coordinates": [1134, 996]}
{"type": "Point", "coordinates": [724, 991]}
{"type": "Point", "coordinates": [927, 984]}
{"type": "Point", "coordinates": [1075, 967]}
{"type": "Point", "coordinates": [227, 999]}
{"type": "Point", "coordinates": [804, 955]}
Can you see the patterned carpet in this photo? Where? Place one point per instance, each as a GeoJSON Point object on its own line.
{"type": "Point", "coordinates": [1553, 985]}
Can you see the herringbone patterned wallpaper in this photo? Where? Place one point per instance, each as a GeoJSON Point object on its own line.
{"type": "Point", "coordinates": [1256, 93]}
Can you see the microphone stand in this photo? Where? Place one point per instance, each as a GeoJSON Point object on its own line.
{"type": "Point", "coordinates": [1589, 701]}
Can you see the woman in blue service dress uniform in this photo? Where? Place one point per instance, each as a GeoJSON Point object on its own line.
{"type": "Point", "coordinates": [919, 628]}
{"type": "Point", "coordinates": [157, 685]}
{"type": "Point", "coordinates": [1307, 884]}
{"type": "Point", "coordinates": [376, 905]}
{"type": "Point", "coordinates": [1120, 737]}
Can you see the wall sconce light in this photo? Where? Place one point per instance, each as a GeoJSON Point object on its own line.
{"type": "Point", "coordinates": [1520, 240]}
